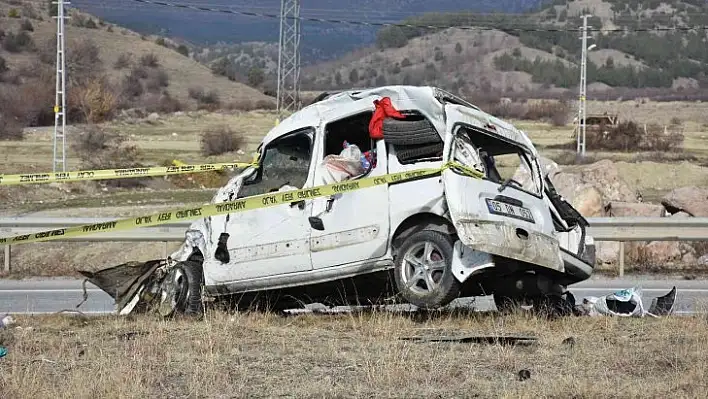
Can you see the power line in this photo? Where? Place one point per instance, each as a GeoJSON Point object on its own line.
{"type": "Point", "coordinates": [406, 25]}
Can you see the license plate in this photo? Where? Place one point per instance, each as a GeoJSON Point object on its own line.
{"type": "Point", "coordinates": [513, 211]}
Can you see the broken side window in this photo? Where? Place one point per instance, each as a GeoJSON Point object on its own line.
{"type": "Point", "coordinates": [285, 161]}
{"type": "Point", "coordinates": [353, 129]}
{"type": "Point", "coordinates": [502, 161]}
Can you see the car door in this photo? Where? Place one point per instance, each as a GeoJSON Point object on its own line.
{"type": "Point", "coordinates": [274, 240]}
{"type": "Point", "coordinates": [356, 223]}
{"type": "Point", "coordinates": [494, 214]}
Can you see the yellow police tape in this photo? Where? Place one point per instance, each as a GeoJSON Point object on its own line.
{"type": "Point", "coordinates": [109, 174]}
{"type": "Point", "coordinates": [240, 205]}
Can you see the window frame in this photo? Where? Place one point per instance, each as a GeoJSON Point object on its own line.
{"type": "Point", "coordinates": [522, 151]}
{"type": "Point", "coordinates": [372, 142]}
{"type": "Point", "coordinates": [257, 177]}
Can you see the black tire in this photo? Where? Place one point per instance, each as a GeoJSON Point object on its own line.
{"type": "Point", "coordinates": [185, 283]}
{"type": "Point", "coordinates": [405, 132]}
{"type": "Point", "coordinates": [415, 152]}
{"type": "Point", "coordinates": [446, 288]}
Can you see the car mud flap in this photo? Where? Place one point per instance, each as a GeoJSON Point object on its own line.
{"type": "Point", "coordinates": [122, 282]}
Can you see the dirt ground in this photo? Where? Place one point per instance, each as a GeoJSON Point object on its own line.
{"type": "Point", "coordinates": [360, 355]}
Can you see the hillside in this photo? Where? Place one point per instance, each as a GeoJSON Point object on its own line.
{"type": "Point", "coordinates": [507, 59]}
{"type": "Point", "coordinates": [320, 41]}
{"type": "Point", "coordinates": [107, 67]}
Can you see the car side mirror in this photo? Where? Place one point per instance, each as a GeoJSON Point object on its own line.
{"type": "Point", "coordinates": [316, 223]}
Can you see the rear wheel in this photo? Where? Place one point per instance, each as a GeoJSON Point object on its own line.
{"type": "Point", "coordinates": [182, 290]}
{"type": "Point", "coordinates": [423, 270]}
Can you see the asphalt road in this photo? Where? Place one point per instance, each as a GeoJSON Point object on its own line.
{"type": "Point", "coordinates": [50, 296]}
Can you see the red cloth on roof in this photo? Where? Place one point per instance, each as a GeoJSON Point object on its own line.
{"type": "Point", "coordinates": [384, 109]}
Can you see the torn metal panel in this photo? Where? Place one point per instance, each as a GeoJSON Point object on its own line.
{"type": "Point", "coordinates": [628, 303]}
{"type": "Point", "coordinates": [124, 281]}
{"type": "Point", "coordinates": [505, 240]}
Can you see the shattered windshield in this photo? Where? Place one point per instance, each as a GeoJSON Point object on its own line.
{"type": "Point", "coordinates": [501, 161]}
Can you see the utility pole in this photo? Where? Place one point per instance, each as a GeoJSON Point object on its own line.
{"type": "Point", "coordinates": [583, 87]}
{"type": "Point", "coordinates": [59, 157]}
{"type": "Point", "coordinates": [289, 57]}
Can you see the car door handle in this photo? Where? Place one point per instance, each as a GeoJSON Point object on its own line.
{"type": "Point", "coordinates": [328, 206]}
{"type": "Point", "coordinates": [300, 204]}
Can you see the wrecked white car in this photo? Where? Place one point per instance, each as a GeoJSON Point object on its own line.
{"type": "Point", "coordinates": [426, 241]}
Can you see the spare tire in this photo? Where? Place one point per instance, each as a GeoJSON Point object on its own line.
{"type": "Point", "coordinates": [409, 132]}
{"type": "Point", "coordinates": [420, 151]}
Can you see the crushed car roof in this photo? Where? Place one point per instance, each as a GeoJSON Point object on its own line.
{"type": "Point", "coordinates": [427, 100]}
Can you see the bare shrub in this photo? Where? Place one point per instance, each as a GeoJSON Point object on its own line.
{"type": "Point", "coordinates": [510, 110]}
{"type": "Point", "coordinates": [162, 103]}
{"type": "Point", "coordinates": [26, 26]}
{"type": "Point", "coordinates": [131, 87]}
{"type": "Point", "coordinates": [140, 72]}
{"type": "Point", "coordinates": [554, 111]}
{"type": "Point", "coordinates": [265, 105]}
{"type": "Point", "coordinates": [656, 139]}
{"type": "Point", "coordinates": [220, 140]}
{"type": "Point", "coordinates": [96, 100]}
{"type": "Point", "coordinates": [124, 60]}
{"type": "Point", "coordinates": [195, 93]}
{"type": "Point", "coordinates": [10, 129]}
{"type": "Point", "coordinates": [205, 100]}
{"type": "Point", "coordinates": [149, 60]}
{"type": "Point", "coordinates": [629, 136]}
{"type": "Point", "coordinates": [29, 11]}
{"type": "Point", "coordinates": [102, 149]}
{"type": "Point", "coordinates": [27, 104]}
{"type": "Point", "coordinates": [83, 61]}
{"type": "Point", "coordinates": [15, 43]}
{"type": "Point", "coordinates": [243, 105]}
{"type": "Point", "coordinates": [156, 80]}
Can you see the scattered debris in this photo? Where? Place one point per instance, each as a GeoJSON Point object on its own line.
{"type": "Point", "coordinates": [3, 352]}
{"type": "Point", "coordinates": [524, 375]}
{"type": "Point", "coordinates": [127, 336]}
{"type": "Point", "coordinates": [7, 321]}
{"type": "Point", "coordinates": [570, 341]}
{"type": "Point", "coordinates": [628, 303]}
{"type": "Point", "coordinates": [478, 339]}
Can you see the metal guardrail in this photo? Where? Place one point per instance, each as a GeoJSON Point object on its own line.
{"type": "Point", "coordinates": [617, 229]}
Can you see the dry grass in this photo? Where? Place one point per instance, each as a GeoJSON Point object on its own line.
{"type": "Point", "coordinates": [264, 355]}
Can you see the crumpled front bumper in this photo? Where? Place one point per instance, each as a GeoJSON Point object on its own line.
{"type": "Point", "coordinates": [509, 241]}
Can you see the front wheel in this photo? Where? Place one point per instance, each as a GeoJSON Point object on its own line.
{"type": "Point", "coordinates": [181, 291]}
{"type": "Point", "coordinates": [423, 270]}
